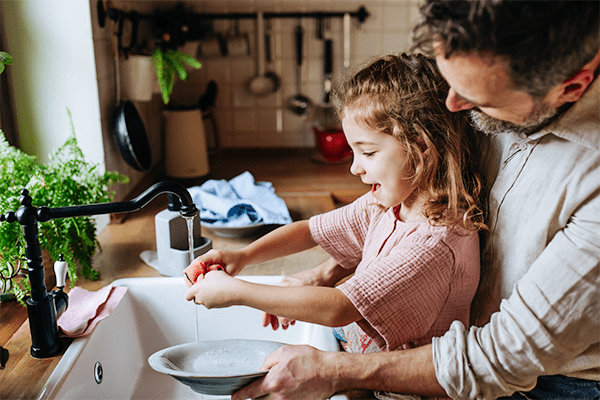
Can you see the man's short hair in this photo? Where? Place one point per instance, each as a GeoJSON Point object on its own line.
{"type": "Point", "coordinates": [543, 42]}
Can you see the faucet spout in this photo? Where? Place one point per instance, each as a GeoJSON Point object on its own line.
{"type": "Point", "coordinates": [44, 308]}
{"type": "Point", "coordinates": [188, 208]}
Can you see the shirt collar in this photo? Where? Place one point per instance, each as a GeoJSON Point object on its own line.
{"type": "Point", "coordinates": [581, 123]}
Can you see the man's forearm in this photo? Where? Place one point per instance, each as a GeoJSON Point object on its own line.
{"type": "Point", "coordinates": [404, 371]}
{"type": "Point", "coordinates": [332, 273]}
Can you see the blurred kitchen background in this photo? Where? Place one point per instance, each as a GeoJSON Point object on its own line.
{"type": "Point", "coordinates": [64, 58]}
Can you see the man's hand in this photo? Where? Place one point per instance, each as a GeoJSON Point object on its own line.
{"type": "Point", "coordinates": [295, 372]}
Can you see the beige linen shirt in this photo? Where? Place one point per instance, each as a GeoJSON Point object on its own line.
{"type": "Point", "coordinates": [543, 257]}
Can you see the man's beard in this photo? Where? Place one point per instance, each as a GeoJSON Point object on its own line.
{"type": "Point", "coordinates": [540, 117]}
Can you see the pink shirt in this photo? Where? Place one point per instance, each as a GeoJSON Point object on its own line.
{"type": "Point", "coordinates": [412, 280]}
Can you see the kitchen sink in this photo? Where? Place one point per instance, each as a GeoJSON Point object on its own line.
{"type": "Point", "coordinates": [112, 362]}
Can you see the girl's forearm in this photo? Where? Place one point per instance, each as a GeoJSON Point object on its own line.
{"type": "Point", "coordinates": [320, 305]}
{"type": "Point", "coordinates": [283, 241]}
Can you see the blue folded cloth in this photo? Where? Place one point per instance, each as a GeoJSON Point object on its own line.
{"type": "Point", "coordinates": [239, 202]}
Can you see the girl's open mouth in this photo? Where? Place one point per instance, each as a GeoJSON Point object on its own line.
{"type": "Point", "coordinates": [375, 187]}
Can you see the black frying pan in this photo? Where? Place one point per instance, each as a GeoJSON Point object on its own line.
{"type": "Point", "coordinates": [131, 137]}
{"type": "Point", "coordinates": [129, 129]}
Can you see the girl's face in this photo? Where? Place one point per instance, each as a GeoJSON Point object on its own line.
{"type": "Point", "coordinates": [380, 160]}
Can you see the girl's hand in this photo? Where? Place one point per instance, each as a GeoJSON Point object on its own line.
{"type": "Point", "coordinates": [298, 279]}
{"type": "Point", "coordinates": [229, 261]}
{"type": "Point", "coordinates": [216, 290]}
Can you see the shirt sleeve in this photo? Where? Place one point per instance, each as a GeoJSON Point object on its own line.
{"type": "Point", "coordinates": [400, 295]}
{"type": "Point", "coordinates": [550, 318]}
{"type": "Point", "coordinates": [342, 232]}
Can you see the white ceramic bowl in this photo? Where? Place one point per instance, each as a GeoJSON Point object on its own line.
{"type": "Point", "coordinates": [215, 367]}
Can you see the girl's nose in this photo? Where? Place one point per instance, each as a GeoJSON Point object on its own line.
{"type": "Point", "coordinates": [356, 169]}
{"type": "Point", "coordinates": [456, 103]}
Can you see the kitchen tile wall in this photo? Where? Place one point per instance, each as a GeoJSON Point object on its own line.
{"type": "Point", "coordinates": [243, 119]}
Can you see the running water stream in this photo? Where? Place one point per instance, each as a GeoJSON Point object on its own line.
{"type": "Point", "coordinates": [190, 226]}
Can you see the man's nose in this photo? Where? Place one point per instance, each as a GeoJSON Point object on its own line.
{"type": "Point", "coordinates": [456, 103]}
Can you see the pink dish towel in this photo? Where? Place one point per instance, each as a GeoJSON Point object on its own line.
{"type": "Point", "coordinates": [87, 308]}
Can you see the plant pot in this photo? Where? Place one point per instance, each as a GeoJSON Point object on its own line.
{"type": "Point", "coordinates": [137, 78]}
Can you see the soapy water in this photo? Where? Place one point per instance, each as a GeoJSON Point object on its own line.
{"type": "Point", "coordinates": [223, 361]}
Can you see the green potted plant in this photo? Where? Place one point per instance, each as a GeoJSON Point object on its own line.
{"type": "Point", "coordinates": [67, 179]}
{"type": "Point", "coordinates": [169, 63]}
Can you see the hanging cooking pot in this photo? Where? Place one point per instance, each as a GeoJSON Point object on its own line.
{"type": "Point", "coordinates": [129, 130]}
{"type": "Point", "coordinates": [131, 137]}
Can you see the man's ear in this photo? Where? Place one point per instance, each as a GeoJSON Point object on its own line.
{"type": "Point", "coordinates": [573, 88]}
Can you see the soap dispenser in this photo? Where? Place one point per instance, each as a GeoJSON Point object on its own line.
{"type": "Point", "coordinates": [172, 239]}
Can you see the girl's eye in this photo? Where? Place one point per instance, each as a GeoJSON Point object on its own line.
{"type": "Point", "coordinates": [368, 154]}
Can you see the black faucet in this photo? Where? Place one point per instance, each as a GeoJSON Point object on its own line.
{"type": "Point", "coordinates": [45, 308]}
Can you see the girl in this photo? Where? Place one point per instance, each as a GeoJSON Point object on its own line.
{"type": "Point", "coordinates": [410, 242]}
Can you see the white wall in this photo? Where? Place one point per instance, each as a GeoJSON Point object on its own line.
{"type": "Point", "coordinates": [53, 69]}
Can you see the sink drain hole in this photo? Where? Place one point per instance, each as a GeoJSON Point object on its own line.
{"type": "Point", "coordinates": [98, 373]}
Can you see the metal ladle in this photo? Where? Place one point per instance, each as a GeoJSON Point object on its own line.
{"type": "Point", "coordinates": [265, 82]}
{"type": "Point", "coordinates": [299, 104]}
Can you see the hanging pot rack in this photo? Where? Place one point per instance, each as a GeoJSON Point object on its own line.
{"type": "Point", "coordinates": [361, 14]}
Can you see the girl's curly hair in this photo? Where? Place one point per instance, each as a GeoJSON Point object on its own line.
{"type": "Point", "coordinates": [403, 95]}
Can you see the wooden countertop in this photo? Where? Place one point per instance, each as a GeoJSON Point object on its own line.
{"type": "Point", "coordinates": [308, 188]}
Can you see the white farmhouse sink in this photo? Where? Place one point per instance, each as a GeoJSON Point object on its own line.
{"type": "Point", "coordinates": [151, 316]}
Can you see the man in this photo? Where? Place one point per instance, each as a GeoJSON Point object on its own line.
{"type": "Point", "coordinates": [528, 73]}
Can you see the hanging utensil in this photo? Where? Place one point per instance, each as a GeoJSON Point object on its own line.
{"type": "Point", "coordinates": [133, 18]}
{"type": "Point", "coordinates": [129, 130]}
{"type": "Point", "coordinates": [299, 104]}
{"type": "Point", "coordinates": [328, 68]}
{"type": "Point", "coordinates": [264, 82]}
{"type": "Point", "coordinates": [325, 117]}
{"type": "Point", "coordinates": [268, 53]}
{"type": "Point", "coordinates": [346, 40]}
{"type": "Point", "coordinates": [209, 97]}
{"type": "Point", "coordinates": [329, 136]}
